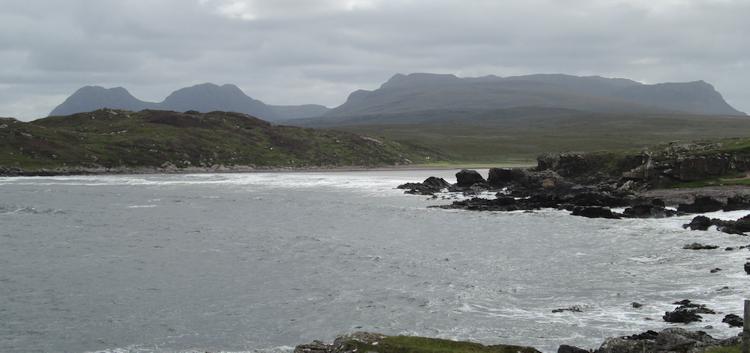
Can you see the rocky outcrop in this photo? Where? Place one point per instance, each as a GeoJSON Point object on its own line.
{"type": "Point", "coordinates": [740, 226]}
{"type": "Point", "coordinates": [594, 212]}
{"type": "Point", "coordinates": [654, 209]}
{"type": "Point", "coordinates": [686, 312]}
{"type": "Point", "coordinates": [429, 186]}
{"type": "Point", "coordinates": [671, 340]}
{"type": "Point", "coordinates": [570, 349]}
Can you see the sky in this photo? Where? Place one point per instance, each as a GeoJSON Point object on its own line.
{"type": "Point", "coordinates": [319, 51]}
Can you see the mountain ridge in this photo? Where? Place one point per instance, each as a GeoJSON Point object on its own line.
{"type": "Point", "coordinates": [204, 98]}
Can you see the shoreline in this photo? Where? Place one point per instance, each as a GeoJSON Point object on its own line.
{"type": "Point", "coordinates": [14, 172]}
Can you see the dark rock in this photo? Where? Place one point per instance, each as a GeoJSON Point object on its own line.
{"type": "Point", "coordinates": [699, 246]}
{"type": "Point", "coordinates": [738, 202]}
{"type": "Point", "coordinates": [636, 305]}
{"type": "Point", "coordinates": [570, 349]}
{"type": "Point", "coordinates": [429, 186]}
{"type": "Point", "coordinates": [747, 268]}
{"type": "Point", "coordinates": [314, 347]}
{"type": "Point", "coordinates": [501, 177]}
{"type": "Point", "coordinates": [467, 178]}
{"type": "Point", "coordinates": [699, 223]}
{"type": "Point", "coordinates": [684, 316]}
{"type": "Point", "coordinates": [701, 204]}
{"type": "Point", "coordinates": [573, 309]}
{"type": "Point", "coordinates": [672, 340]}
{"type": "Point", "coordinates": [733, 320]}
{"type": "Point", "coordinates": [594, 212]}
{"type": "Point", "coordinates": [648, 211]}
{"type": "Point", "coordinates": [714, 270]}
{"type": "Point", "coordinates": [648, 335]}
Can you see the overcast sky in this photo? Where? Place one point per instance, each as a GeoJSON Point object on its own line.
{"type": "Point", "coordinates": [318, 51]}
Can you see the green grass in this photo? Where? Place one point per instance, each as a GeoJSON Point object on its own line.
{"type": "Point", "coordinates": [490, 140]}
{"type": "Point", "coordinates": [728, 349]}
{"type": "Point", "coordinates": [116, 139]}
{"type": "Point", "coordinates": [406, 344]}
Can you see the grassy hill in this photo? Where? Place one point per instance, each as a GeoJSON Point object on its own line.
{"type": "Point", "coordinates": [123, 140]}
{"type": "Point", "coordinates": [523, 134]}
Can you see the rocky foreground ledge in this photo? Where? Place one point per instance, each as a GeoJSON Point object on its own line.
{"type": "Point", "coordinates": [672, 340]}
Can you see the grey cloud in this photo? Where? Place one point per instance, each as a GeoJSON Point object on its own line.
{"type": "Point", "coordinates": [318, 51]}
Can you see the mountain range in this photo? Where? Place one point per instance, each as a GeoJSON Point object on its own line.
{"type": "Point", "coordinates": [434, 96]}
{"type": "Point", "coordinates": [203, 98]}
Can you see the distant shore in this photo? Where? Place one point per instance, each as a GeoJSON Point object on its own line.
{"type": "Point", "coordinates": [13, 172]}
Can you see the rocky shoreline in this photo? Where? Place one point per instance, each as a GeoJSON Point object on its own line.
{"type": "Point", "coordinates": [671, 340]}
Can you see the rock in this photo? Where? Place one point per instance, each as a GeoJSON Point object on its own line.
{"type": "Point", "coordinates": [501, 177]}
{"type": "Point", "coordinates": [649, 211]}
{"type": "Point", "coordinates": [429, 186]}
{"type": "Point", "coordinates": [747, 268]}
{"type": "Point", "coordinates": [715, 270]}
{"type": "Point", "coordinates": [733, 320]}
{"type": "Point", "coordinates": [573, 309]}
{"type": "Point", "coordinates": [672, 340]}
{"type": "Point", "coordinates": [701, 204]}
{"type": "Point", "coordinates": [738, 202]}
{"type": "Point", "coordinates": [314, 347]}
{"type": "Point", "coordinates": [699, 223]}
{"type": "Point", "coordinates": [594, 212]}
{"type": "Point", "coordinates": [467, 178]}
{"type": "Point", "coordinates": [699, 246]}
{"type": "Point", "coordinates": [684, 316]}
{"type": "Point", "coordinates": [570, 349]}
{"type": "Point", "coordinates": [636, 305]}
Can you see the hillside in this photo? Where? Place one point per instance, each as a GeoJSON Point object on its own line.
{"type": "Point", "coordinates": [419, 92]}
{"type": "Point", "coordinates": [121, 141]}
{"type": "Point", "coordinates": [522, 134]}
{"type": "Point", "coordinates": [206, 97]}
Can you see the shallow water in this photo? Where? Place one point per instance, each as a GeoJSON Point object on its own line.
{"type": "Point", "coordinates": [245, 262]}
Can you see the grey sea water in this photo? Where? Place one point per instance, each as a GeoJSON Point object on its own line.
{"type": "Point", "coordinates": [261, 262]}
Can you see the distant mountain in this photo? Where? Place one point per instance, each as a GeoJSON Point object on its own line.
{"type": "Point", "coordinates": [203, 98]}
{"type": "Point", "coordinates": [91, 98]}
{"type": "Point", "coordinates": [421, 92]}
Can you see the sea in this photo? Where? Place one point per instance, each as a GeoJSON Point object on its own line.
{"type": "Point", "coordinates": [261, 262]}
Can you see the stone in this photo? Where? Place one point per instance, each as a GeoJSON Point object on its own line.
{"type": "Point", "coordinates": [701, 204]}
{"type": "Point", "coordinates": [468, 177]}
{"type": "Point", "coordinates": [733, 320]}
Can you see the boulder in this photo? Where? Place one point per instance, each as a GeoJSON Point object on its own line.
{"type": "Point", "coordinates": [672, 340]}
{"type": "Point", "coordinates": [594, 212]}
{"type": "Point", "coordinates": [684, 316]}
{"type": "Point", "coordinates": [651, 210]}
{"type": "Point", "coordinates": [468, 177]}
{"type": "Point", "coordinates": [747, 268]}
{"type": "Point", "coordinates": [699, 223]}
{"type": "Point", "coordinates": [733, 320]}
{"type": "Point", "coordinates": [701, 204]}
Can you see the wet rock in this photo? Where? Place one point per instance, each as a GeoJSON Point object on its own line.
{"type": "Point", "coordinates": [573, 309]}
{"type": "Point", "coordinates": [701, 204]}
{"type": "Point", "coordinates": [684, 316]}
{"type": "Point", "coordinates": [715, 270]}
{"type": "Point", "coordinates": [594, 212]}
{"type": "Point", "coordinates": [314, 347]}
{"type": "Point", "coordinates": [699, 223]}
{"type": "Point", "coordinates": [570, 349]}
{"type": "Point", "coordinates": [747, 268]}
{"type": "Point", "coordinates": [501, 177]}
{"type": "Point", "coordinates": [636, 305]}
{"type": "Point", "coordinates": [686, 312]}
{"type": "Point", "coordinates": [429, 186]}
{"type": "Point", "coordinates": [733, 320]}
{"type": "Point", "coordinates": [699, 246]}
{"type": "Point", "coordinates": [652, 210]}
{"type": "Point", "coordinates": [468, 177]}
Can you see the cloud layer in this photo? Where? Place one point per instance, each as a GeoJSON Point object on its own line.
{"type": "Point", "coordinates": [318, 51]}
